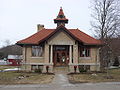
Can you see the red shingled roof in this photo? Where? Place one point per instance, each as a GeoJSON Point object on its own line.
{"type": "Point", "coordinates": [46, 33]}
{"type": "Point", "coordinates": [37, 37]}
{"type": "Point", "coordinates": [84, 37]}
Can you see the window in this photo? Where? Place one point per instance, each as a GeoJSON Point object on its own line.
{"type": "Point", "coordinates": [81, 67]}
{"type": "Point", "coordinates": [37, 51]}
{"type": "Point", "coordinates": [33, 67]}
{"type": "Point", "coordinates": [84, 51]}
{"type": "Point", "coordinates": [84, 68]}
{"type": "Point", "coordinates": [40, 67]}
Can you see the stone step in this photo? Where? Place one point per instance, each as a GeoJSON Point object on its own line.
{"type": "Point", "coordinates": [61, 69]}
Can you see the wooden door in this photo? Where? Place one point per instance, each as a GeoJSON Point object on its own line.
{"type": "Point", "coordinates": [60, 58]}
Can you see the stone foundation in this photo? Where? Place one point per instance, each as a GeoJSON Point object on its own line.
{"type": "Point", "coordinates": [50, 69]}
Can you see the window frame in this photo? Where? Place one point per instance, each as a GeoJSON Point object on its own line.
{"type": "Point", "coordinates": [39, 49]}
{"type": "Point", "coordinates": [86, 50]}
{"type": "Point", "coordinates": [33, 67]}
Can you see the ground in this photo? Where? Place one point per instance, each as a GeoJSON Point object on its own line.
{"type": "Point", "coordinates": [113, 76]}
{"type": "Point", "coordinates": [15, 77]}
{"type": "Point", "coordinates": [2, 67]}
{"type": "Point", "coordinates": [60, 82]}
{"type": "Point", "coordinates": [24, 78]}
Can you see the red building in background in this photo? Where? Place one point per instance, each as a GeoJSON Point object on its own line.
{"type": "Point", "coordinates": [14, 60]}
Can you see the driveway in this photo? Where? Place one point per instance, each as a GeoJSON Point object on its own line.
{"type": "Point", "coordinates": [61, 82]}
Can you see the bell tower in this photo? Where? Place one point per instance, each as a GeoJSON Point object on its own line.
{"type": "Point", "coordinates": [61, 19]}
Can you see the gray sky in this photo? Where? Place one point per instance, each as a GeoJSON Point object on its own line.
{"type": "Point", "coordinates": [19, 18]}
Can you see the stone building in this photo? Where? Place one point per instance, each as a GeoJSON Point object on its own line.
{"type": "Point", "coordinates": [60, 47]}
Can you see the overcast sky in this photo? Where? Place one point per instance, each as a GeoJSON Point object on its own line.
{"type": "Point", "coordinates": [19, 18]}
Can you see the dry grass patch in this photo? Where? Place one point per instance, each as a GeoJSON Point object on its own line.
{"type": "Point", "coordinates": [2, 67]}
{"type": "Point", "coordinates": [114, 76]}
{"type": "Point", "coordinates": [37, 79]}
{"type": "Point", "coordinates": [24, 78]}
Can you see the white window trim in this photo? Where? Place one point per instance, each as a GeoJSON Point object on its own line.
{"type": "Point", "coordinates": [36, 57]}
{"type": "Point", "coordinates": [85, 58]}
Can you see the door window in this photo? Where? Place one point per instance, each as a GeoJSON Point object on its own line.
{"type": "Point", "coordinates": [58, 57]}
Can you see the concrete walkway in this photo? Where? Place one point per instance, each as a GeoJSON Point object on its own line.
{"type": "Point", "coordinates": [61, 80]}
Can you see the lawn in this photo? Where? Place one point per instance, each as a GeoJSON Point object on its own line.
{"type": "Point", "coordinates": [24, 78]}
{"type": "Point", "coordinates": [114, 76]}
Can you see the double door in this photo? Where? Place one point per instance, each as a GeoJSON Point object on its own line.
{"type": "Point", "coordinates": [60, 58]}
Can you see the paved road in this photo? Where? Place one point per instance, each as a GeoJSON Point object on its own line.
{"type": "Point", "coordinates": [60, 82]}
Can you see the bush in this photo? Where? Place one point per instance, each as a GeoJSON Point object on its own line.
{"type": "Point", "coordinates": [116, 63]}
{"type": "Point", "coordinates": [38, 71]}
{"type": "Point", "coordinates": [82, 70]}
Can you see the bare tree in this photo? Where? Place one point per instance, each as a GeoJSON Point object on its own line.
{"type": "Point", "coordinates": [106, 24]}
{"type": "Point", "coordinates": [106, 18]}
{"type": "Point", "coordinates": [7, 42]}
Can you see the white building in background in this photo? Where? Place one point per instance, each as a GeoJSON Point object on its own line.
{"type": "Point", "coordinates": [3, 62]}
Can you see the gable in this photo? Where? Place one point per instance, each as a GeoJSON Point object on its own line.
{"type": "Point", "coordinates": [61, 38]}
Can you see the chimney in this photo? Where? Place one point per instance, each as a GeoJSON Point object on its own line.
{"type": "Point", "coordinates": [40, 27]}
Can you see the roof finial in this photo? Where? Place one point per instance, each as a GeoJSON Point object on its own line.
{"type": "Point", "coordinates": [61, 9]}
{"type": "Point", "coordinates": [61, 19]}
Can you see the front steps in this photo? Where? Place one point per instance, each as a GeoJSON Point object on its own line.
{"type": "Point", "coordinates": [60, 69]}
